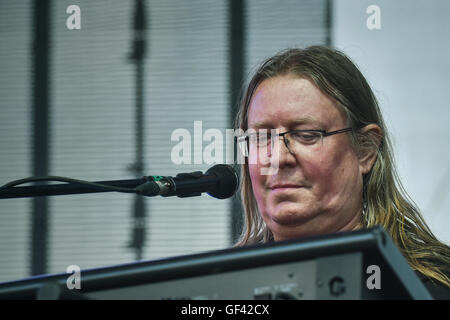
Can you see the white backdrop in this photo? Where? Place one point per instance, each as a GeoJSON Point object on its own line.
{"type": "Point", "coordinates": [407, 63]}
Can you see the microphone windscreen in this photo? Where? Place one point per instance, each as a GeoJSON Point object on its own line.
{"type": "Point", "coordinates": [228, 181]}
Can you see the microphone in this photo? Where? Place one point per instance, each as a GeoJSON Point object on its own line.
{"type": "Point", "coordinates": [220, 181]}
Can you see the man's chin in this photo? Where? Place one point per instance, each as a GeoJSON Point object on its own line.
{"type": "Point", "coordinates": [291, 232]}
{"type": "Point", "coordinates": [291, 214]}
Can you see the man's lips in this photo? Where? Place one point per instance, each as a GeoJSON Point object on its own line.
{"type": "Point", "coordinates": [285, 186]}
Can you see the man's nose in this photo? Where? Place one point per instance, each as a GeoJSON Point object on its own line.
{"type": "Point", "coordinates": [281, 154]}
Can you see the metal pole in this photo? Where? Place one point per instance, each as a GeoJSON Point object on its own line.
{"type": "Point", "coordinates": [137, 57]}
{"type": "Point", "coordinates": [40, 123]}
{"type": "Point", "coordinates": [236, 14]}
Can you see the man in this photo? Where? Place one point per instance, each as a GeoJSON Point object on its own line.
{"type": "Point", "coordinates": [320, 160]}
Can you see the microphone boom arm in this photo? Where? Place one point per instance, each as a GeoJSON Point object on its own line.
{"type": "Point", "coordinates": [73, 187]}
{"type": "Point", "coordinates": [220, 181]}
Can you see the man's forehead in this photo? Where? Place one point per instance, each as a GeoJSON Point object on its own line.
{"type": "Point", "coordinates": [305, 120]}
{"type": "Point", "coordinates": [287, 101]}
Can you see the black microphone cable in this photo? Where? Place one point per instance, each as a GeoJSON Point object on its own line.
{"type": "Point", "coordinates": [98, 185]}
{"type": "Point", "coordinates": [220, 181]}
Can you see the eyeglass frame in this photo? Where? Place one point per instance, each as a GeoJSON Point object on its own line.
{"type": "Point", "coordinates": [324, 133]}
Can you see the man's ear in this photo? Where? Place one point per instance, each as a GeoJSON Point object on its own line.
{"type": "Point", "coordinates": [370, 141]}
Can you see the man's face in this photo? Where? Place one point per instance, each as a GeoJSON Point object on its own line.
{"type": "Point", "coordinates": [317, 190]}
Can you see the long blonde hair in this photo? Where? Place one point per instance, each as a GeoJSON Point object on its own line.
{"type": "Point", "coordinates": [385, 202]}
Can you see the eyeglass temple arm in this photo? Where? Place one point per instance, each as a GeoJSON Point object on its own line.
{"type": "Point", "coordinates": [337, 131]}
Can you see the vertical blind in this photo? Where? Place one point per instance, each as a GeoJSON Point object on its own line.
{"type": "Point", "coordinates": [15, 143]}
{"type": "Point", "coordinates": [274, 26]}
{"type": "Point", "coordinates": [92, 124]}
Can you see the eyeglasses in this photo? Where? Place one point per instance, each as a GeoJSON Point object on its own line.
{"type": "Point", "coordinates": [293, 139]}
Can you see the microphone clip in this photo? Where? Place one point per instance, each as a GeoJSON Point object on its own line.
{"type": "Point", "coordinates": [165, 186]}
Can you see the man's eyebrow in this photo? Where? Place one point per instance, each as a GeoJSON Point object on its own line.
{"type": "Point", "coordinates": [260, 124]}
{"type": "Point", "coordinates": [292, 123]}
{"type": "Point", "coordinates": [305, 120]}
